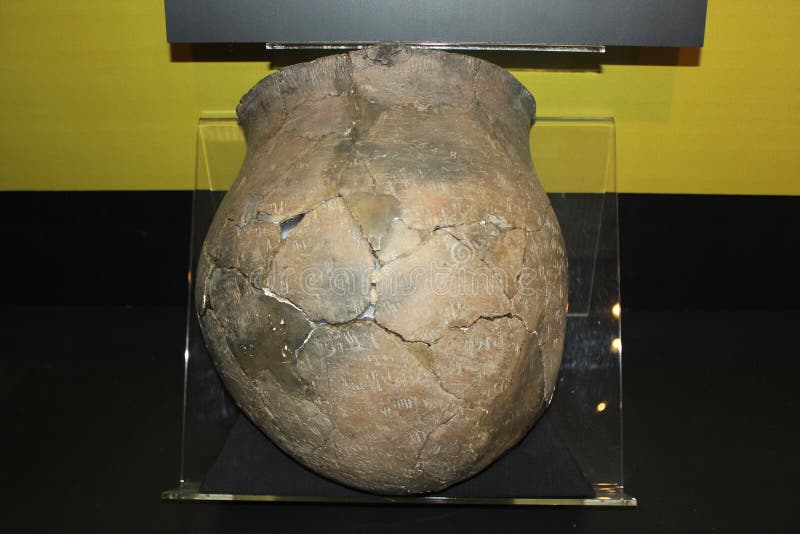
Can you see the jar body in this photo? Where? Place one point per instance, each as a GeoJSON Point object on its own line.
{"type": "Point", "coordinates": [383, 289]}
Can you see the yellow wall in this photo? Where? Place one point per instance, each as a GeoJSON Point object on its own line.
{"type": "Point", "coordinates": [90, 99]}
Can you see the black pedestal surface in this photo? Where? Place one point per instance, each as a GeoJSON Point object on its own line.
{"type": "Point", "coordinates": [539, 466]}
{"type": "Point", "coordinates": [91, 415]}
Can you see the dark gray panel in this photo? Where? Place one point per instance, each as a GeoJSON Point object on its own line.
{"type": "Point", "coordinates": [568, 22]}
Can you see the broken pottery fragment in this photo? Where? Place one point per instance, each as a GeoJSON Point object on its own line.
{"type": "Point", "coordinates": [383, 289]}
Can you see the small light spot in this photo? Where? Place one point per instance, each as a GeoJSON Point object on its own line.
{"type": "Point", "coordinates": [601, 407]}
{"type": "Point", "coordinates": [282, 321]}
{"type": "Point", "coordinates": [616, 310]}
{"type": "Point", "coordinates": [616, 345]}
{"type": "Point", "coordinates": [368, 313]}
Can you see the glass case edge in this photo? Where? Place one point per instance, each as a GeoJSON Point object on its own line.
{"type": "Point", "coordinates": [191, 493]}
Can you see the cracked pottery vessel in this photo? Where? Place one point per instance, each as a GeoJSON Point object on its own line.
{"type": "Point", "coordinates": [383, 289]}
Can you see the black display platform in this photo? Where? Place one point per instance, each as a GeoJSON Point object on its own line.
{"type": "Point", "coordinates": [91, 426]}
{"type": "Point", "coordinates": [541, 465]}
{"type": "Point", "coordinates": [92, 408]}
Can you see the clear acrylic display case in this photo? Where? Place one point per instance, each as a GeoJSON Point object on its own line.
{"type": "Point", "coordinates": [575, 161]}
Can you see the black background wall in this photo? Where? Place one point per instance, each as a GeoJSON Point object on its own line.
{"type": "Point", "coordinates": [131, 248]}
{"type": "Point", "coordinates": [91, 321]}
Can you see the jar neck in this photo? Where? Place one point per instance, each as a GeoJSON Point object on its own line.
{"type": "Point", "coordinates": [390, 75]}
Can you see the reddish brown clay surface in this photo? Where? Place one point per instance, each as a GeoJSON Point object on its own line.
{"type": "Point", "coordinates": [383, 289]}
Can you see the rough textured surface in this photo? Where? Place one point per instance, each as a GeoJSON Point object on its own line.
{"type": "Point", "coordinates": [383, 289]}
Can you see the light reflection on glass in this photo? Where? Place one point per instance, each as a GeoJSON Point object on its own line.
{"type": "Point", "coordinates": [616, 345]}
{"type": "Point", "coordinates": [601, 407]}
{"type": "Point", "coordinates": [616, 310]}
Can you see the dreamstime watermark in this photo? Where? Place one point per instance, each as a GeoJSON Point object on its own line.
{"type": "Point", "coordinates": [461, 273]}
